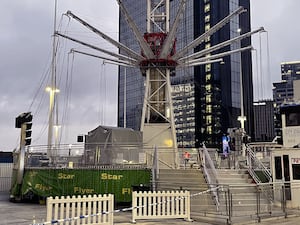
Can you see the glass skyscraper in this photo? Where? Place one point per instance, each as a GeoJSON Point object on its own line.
{"type": "Point", "coordinates": [206, 98]}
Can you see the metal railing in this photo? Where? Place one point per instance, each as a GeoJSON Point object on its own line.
{"type": "Point", "coordinates": [210, 173]}
{"type": "Point", "coordinates": [5, 177]}
{"type": "Point", "coordinates": [255, 164]}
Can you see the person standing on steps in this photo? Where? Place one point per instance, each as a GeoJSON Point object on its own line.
{"type": "Point", "coordinates": [225, 144]}
{"type": "Point", "coordinates": [186, 158]}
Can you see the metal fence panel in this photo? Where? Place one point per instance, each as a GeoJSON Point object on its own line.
{"type": "Point", "coordinates": [5, 176]}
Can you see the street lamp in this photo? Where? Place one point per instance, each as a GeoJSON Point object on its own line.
{"type": "Point", "coordinates": [242, 118]}
{"type": "Point", "coordinates": [52, 92]}
{"type": "Point", "coordinates": [257, 77]}
{"type": "Point", "coordinates": [125, 90]}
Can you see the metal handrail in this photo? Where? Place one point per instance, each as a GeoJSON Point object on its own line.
{"type": "Point", "coordinates": [210, 173]}
{"type": "Point", "coordinates": [251, 157]}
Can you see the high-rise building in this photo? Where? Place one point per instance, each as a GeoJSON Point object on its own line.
{"type": "Point", "coordinates": [283, 91]}
{"type": "Point", "coordinates": [207, 99]}
{"type": "Point", "coordinates": [264, 120]}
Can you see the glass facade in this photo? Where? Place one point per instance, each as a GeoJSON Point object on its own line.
{"type": "Point", "coordinates": [283, 92]}
{"type": "Point", "coordinates": [206, 98]}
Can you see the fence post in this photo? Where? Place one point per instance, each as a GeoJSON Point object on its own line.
{"type": "Point", "coordinates": [134, 206]}
{"type": "Point", "coordinates": [228, 200]}
{"type": "Point", "coordinates": [284, 201]}
{"type": "Point", "coordinates": [111, 209]}
{"type": "Point", "coordinates": [49, 209]}
{"type": "Point", "coordinates": [188, 206]}
{"type": "Point", "coordinates": [258, 203]}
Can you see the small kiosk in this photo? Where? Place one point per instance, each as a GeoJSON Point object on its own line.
{"type": "Point", "coordinates": [285, 162]}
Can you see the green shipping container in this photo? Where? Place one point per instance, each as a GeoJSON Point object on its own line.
{"type": "Point", "coordinates": [62, 182]}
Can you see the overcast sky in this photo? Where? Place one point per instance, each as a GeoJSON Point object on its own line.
{"type": "Point", "coordinates": [26, 49]}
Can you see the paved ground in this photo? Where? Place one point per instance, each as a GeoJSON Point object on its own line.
{"type": "Point", "coordinates": [26, 214]}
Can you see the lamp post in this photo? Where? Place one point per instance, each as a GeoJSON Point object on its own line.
{"type": "Point", "coordinates": [257, 92]}
{"type": "Point", "coordinates": [242, 118]}
{"type": "Point", "coordinates": [125, 90]}
{"type": "Point", "coordinates": [52, 92]}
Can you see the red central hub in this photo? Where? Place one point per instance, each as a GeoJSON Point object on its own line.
{"type": "Point", "coordinates": [156, 41]}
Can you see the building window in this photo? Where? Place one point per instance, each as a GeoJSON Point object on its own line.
{"type": "Point", "coordinates": [207, 18]}
{"type": "Point", "coordinates": [296, 171]}
{"type": "Point", "coordinates": [207, 45]}
{"type": "Point", "coordinates": [208, 98]}
{"type": "Point", "coordinates": [208, 88]}
{"type": "Point", "coordinates": [208, 120]}
{"type": "Point", "coordinates": [292, 119]}
{"type": "Point", "coordinates": [208, 108]}
{"type": "Point", "coordinates": [207, 27]}
{"type": "Point", "coordinates": [278, 168]}
{"type": "Point", "coordinates": [209, 130]}
{"type": "Point", "coordinates": [208, 77]}
{"type": "Point", "coordinates": [207, 39]}
{"type": "Point", "coordinates": [207, 67]}
{"type": "Point", "coordinates": [207, 8]}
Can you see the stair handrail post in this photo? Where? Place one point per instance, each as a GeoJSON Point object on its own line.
{"type": "Point", "coordinates": [258, 203]}
{"type": "Point", "coordinates": [155, 168]}
{"type": "Point", "coordinates": [212, 179]}
{"type": "Point", "coordinates": [284, 200]}
{"type": "Point", "coordinates": [252, 159]}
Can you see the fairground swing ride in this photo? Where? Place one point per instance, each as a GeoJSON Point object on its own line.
{"type": "Point", "coordinates": [157, 61]}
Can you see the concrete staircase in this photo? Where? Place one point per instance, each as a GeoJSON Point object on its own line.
{"type": "Point", "coordinates": [243, 191]}
{"type": "Point", "coordinates": [191, 180]}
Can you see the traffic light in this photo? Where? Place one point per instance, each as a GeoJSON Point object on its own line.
{"type": "Point", "coordinates": [24, 121]}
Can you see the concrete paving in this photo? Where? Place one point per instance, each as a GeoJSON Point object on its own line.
{"type": "Point", "coordinates": [27, 213]}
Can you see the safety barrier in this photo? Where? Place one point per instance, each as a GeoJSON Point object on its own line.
{"type": "Point", "coordinates": [236, 203]}
{"type": "Point", "coordinates": [5, 176]}
{"type": "Point", "coordinates": [161, 205]}
{"type": "Point", "coordinates": [95, 209]}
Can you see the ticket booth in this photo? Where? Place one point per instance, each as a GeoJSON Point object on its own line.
{"type": "Point", "coordinates": [285, 162]}
{"type": "Point", "coordinates": [286, 175]}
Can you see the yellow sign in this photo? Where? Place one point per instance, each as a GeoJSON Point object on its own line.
{"type": "Point", "coordinates": [65, 176]}
{"type": "Point", "coordinates": [107, 176]}
{"type": "Point", "coordinates": [79, 190]}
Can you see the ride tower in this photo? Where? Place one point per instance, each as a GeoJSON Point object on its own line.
{"type": "Point", "coordinates": [157, 123]}
{"type": "Point", "coordinates": [157, 61]}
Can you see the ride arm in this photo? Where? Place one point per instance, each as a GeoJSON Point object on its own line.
{"type": "Point", "coordinates": [198, 63]}
{"type": "Point", "coordinates": [122, 57]}
{"type": "Point", "coordinates": [218, 46]}
{"type": "Point", "coordinates": [143, 44]}
{"type": "Point", "coordinates": [119, 62]}
{"type": "Point", "coordinates": [119, 45]}
{"type": "Point", "coordinates": [216, 56]}
{"type": "Point", "coordinates": [168, 44]}
{"type": "Point", "coordinates": [208, 33]}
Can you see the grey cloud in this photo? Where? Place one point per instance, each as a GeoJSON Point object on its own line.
{"type": "Point", "coordinates": [25, 44]}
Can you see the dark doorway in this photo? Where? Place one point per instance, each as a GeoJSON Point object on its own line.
{"type": "Point", "coordinates": [287, 178]}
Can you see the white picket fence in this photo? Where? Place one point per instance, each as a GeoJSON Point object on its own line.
{"type": "Point", "coordinates": [161, 205]}
{"type": "Point", "coordinates": [96, 209]}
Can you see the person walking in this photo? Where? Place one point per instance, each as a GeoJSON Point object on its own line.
{"type": "Point", "coordinates": [225, 143]}
{"type": "Point", "coordinates": [186, 158]}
